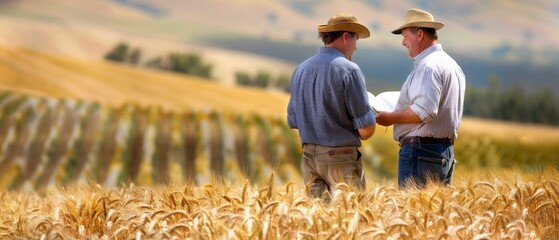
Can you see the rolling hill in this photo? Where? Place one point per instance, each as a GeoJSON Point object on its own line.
{"type": "Point", "coordinates": [256, 117]}
{"type": "Point", "coordinates": [512, 40]}
{"type": "Point", "coordinates": [45, 75]}
{"type": "Point", "coordinates": [52, 76]}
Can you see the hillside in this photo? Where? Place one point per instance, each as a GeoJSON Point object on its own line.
{"type": "Point", "coordinates": [511, 40]}
{"type": "Point", "coordinates": [69, 29]}
{"type": "Point", "coordinates": [526, 23]}
{"type": "Point", "coordinates": [37, 114]}
{"type": "Point", "coordinates": [41, 74]}
{"type": "Point", "coordinates": [46, 75]}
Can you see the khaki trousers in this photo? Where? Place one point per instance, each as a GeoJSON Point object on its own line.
{"type": "Point", "coordinates": [325, 167]}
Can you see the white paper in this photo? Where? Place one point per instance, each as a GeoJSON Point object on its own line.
{"type": "Point", "coordinates": [384, 102]}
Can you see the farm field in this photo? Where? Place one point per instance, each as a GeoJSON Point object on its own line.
{"type": "Point", "coordinates": [497, 206]}
{"type": "Point", "coordinates": [149, 155]}
{"type": "Point", "coordinates": [115, 85]}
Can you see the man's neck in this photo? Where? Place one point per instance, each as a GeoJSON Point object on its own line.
{"type": "Point", "coordinates": [427, 44]}
{"type": "Point", "coordinates": [337, 45]}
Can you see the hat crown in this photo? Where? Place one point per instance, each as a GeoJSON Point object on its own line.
{"type": "Point", "coordinates": [342, 18]}
{"type": "Point", "coordinates": [418, 18]}
{"type": "Point", "coordinates": [418, 15]}
{"type": "Point", "coordinates": [344, 22]}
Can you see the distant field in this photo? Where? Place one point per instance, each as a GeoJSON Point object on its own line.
{"type": "Point", "coordinates": [281, 31]}
{"type": "Point", "coordinates": [112, 84]}
{"type": "Point", "coordinates": [101, 150]}
{"type": "Point", "coordinates": [139, 104]}
{"type": "Point", "coordinates": [46, 75]}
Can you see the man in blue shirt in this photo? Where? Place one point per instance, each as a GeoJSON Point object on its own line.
{"type": "Point", "coordinates": [329, 106]}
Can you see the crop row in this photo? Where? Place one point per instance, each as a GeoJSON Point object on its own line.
{"type": "Point", "coordinates": [46, 141]}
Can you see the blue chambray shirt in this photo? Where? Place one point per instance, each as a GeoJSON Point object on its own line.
{"type": "Point", "coordinates": [329, 100]}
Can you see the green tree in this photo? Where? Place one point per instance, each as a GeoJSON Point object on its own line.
{"type": "Point", "coordinates": [189, 63]}
{"type": "Point", "coordinates": [492, 100]}
{"type": "Point", "coordinates": [262, 79]}
{"type": "Point", "coordinates": [475, 102]}
{"type": "Point", "coordinates": [543, 107]}
{"type": "Point", "coordinates": [118, 53]}
{"type": "Point", "coordinates": [243, 78]}
{"type": "Point", "coordinates": [156, 62]}
{"type": "Point", "coordinates": [135, 56]}
{"type": "Point", "coordinates": [513, 102]}
{"type": "Point", "coordinates": [283, 82]}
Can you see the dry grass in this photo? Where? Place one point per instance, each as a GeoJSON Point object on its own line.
{"type": "Point", "coordinates": [44, 75]}
{"type": "Point", "coordinates": [501, 208]}
{"type": "Point", "coordinates": [500, 130]}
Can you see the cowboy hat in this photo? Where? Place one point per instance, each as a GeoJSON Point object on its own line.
{"type": "Point", "coordinates": [418, 18]}
{"type": "Point", "coordinates": [344, 22]}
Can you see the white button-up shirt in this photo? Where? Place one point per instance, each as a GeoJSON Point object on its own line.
{"type": "Point", "coordinates": [434, 91]}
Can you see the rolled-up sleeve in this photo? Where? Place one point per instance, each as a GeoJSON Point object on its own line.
{"type": "Point", "coordinates": [291, 117]}
{"type": "Point", "coordinates": [366, 120]}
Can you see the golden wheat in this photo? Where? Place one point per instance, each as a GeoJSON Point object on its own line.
{"type": "Point", "coordinates": [481, 209]}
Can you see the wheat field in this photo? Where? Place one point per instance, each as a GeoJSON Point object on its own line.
{"type": "Point", "coordinates": [497, 206]}
{"type": "Point", "coordinates": [163, 164]}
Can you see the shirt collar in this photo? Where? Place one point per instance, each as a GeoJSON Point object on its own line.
{"type": "Point", "coordinates": [426, 52]}
{"type": "Point", "coordinates": [330, 50]}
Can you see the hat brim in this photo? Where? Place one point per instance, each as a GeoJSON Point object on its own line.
{"type": "Point", "coordinates": [350, 27]}
{"type": "Point", "coordinates": [435, 25]}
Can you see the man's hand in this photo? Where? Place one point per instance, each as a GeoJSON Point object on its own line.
{"type": "Point", "coordinates": [367, 132]}
{"type": "Point", "coordinates": [402, 116]}
{"type": "Point", "coordinates": [383, 119]}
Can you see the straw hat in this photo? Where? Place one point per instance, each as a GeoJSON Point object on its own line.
{"type": "Point", "coordinates": [344, 22]}
{"type": "Point", "coordinates": [418, 18]}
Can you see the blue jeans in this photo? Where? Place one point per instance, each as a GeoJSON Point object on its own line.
{"type": "Point", "coordinates": [419, 163]}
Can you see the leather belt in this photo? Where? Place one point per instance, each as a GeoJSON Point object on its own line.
{"type": "Point", "coordinates": [343, 151]}
{"type": "Point", "coordinates": [426, 140]}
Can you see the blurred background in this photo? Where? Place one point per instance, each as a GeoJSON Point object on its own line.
{"type": "Point", "coordinates": [516, 41]}
{"type": "Point", "coordinates": [135, 67]}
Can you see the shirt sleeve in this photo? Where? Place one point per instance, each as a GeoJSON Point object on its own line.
{"type": "Point", "coordinates": [426, 93]}
{"type": "Point", "coordinates": [366, 120]}
{"type": "Point", "coordinates": [291, 117]}
{"type": "Point", "coordinates": [358, 101]}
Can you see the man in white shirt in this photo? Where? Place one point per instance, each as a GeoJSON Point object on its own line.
{"type": "Point", "coordinates": [429, 110]}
